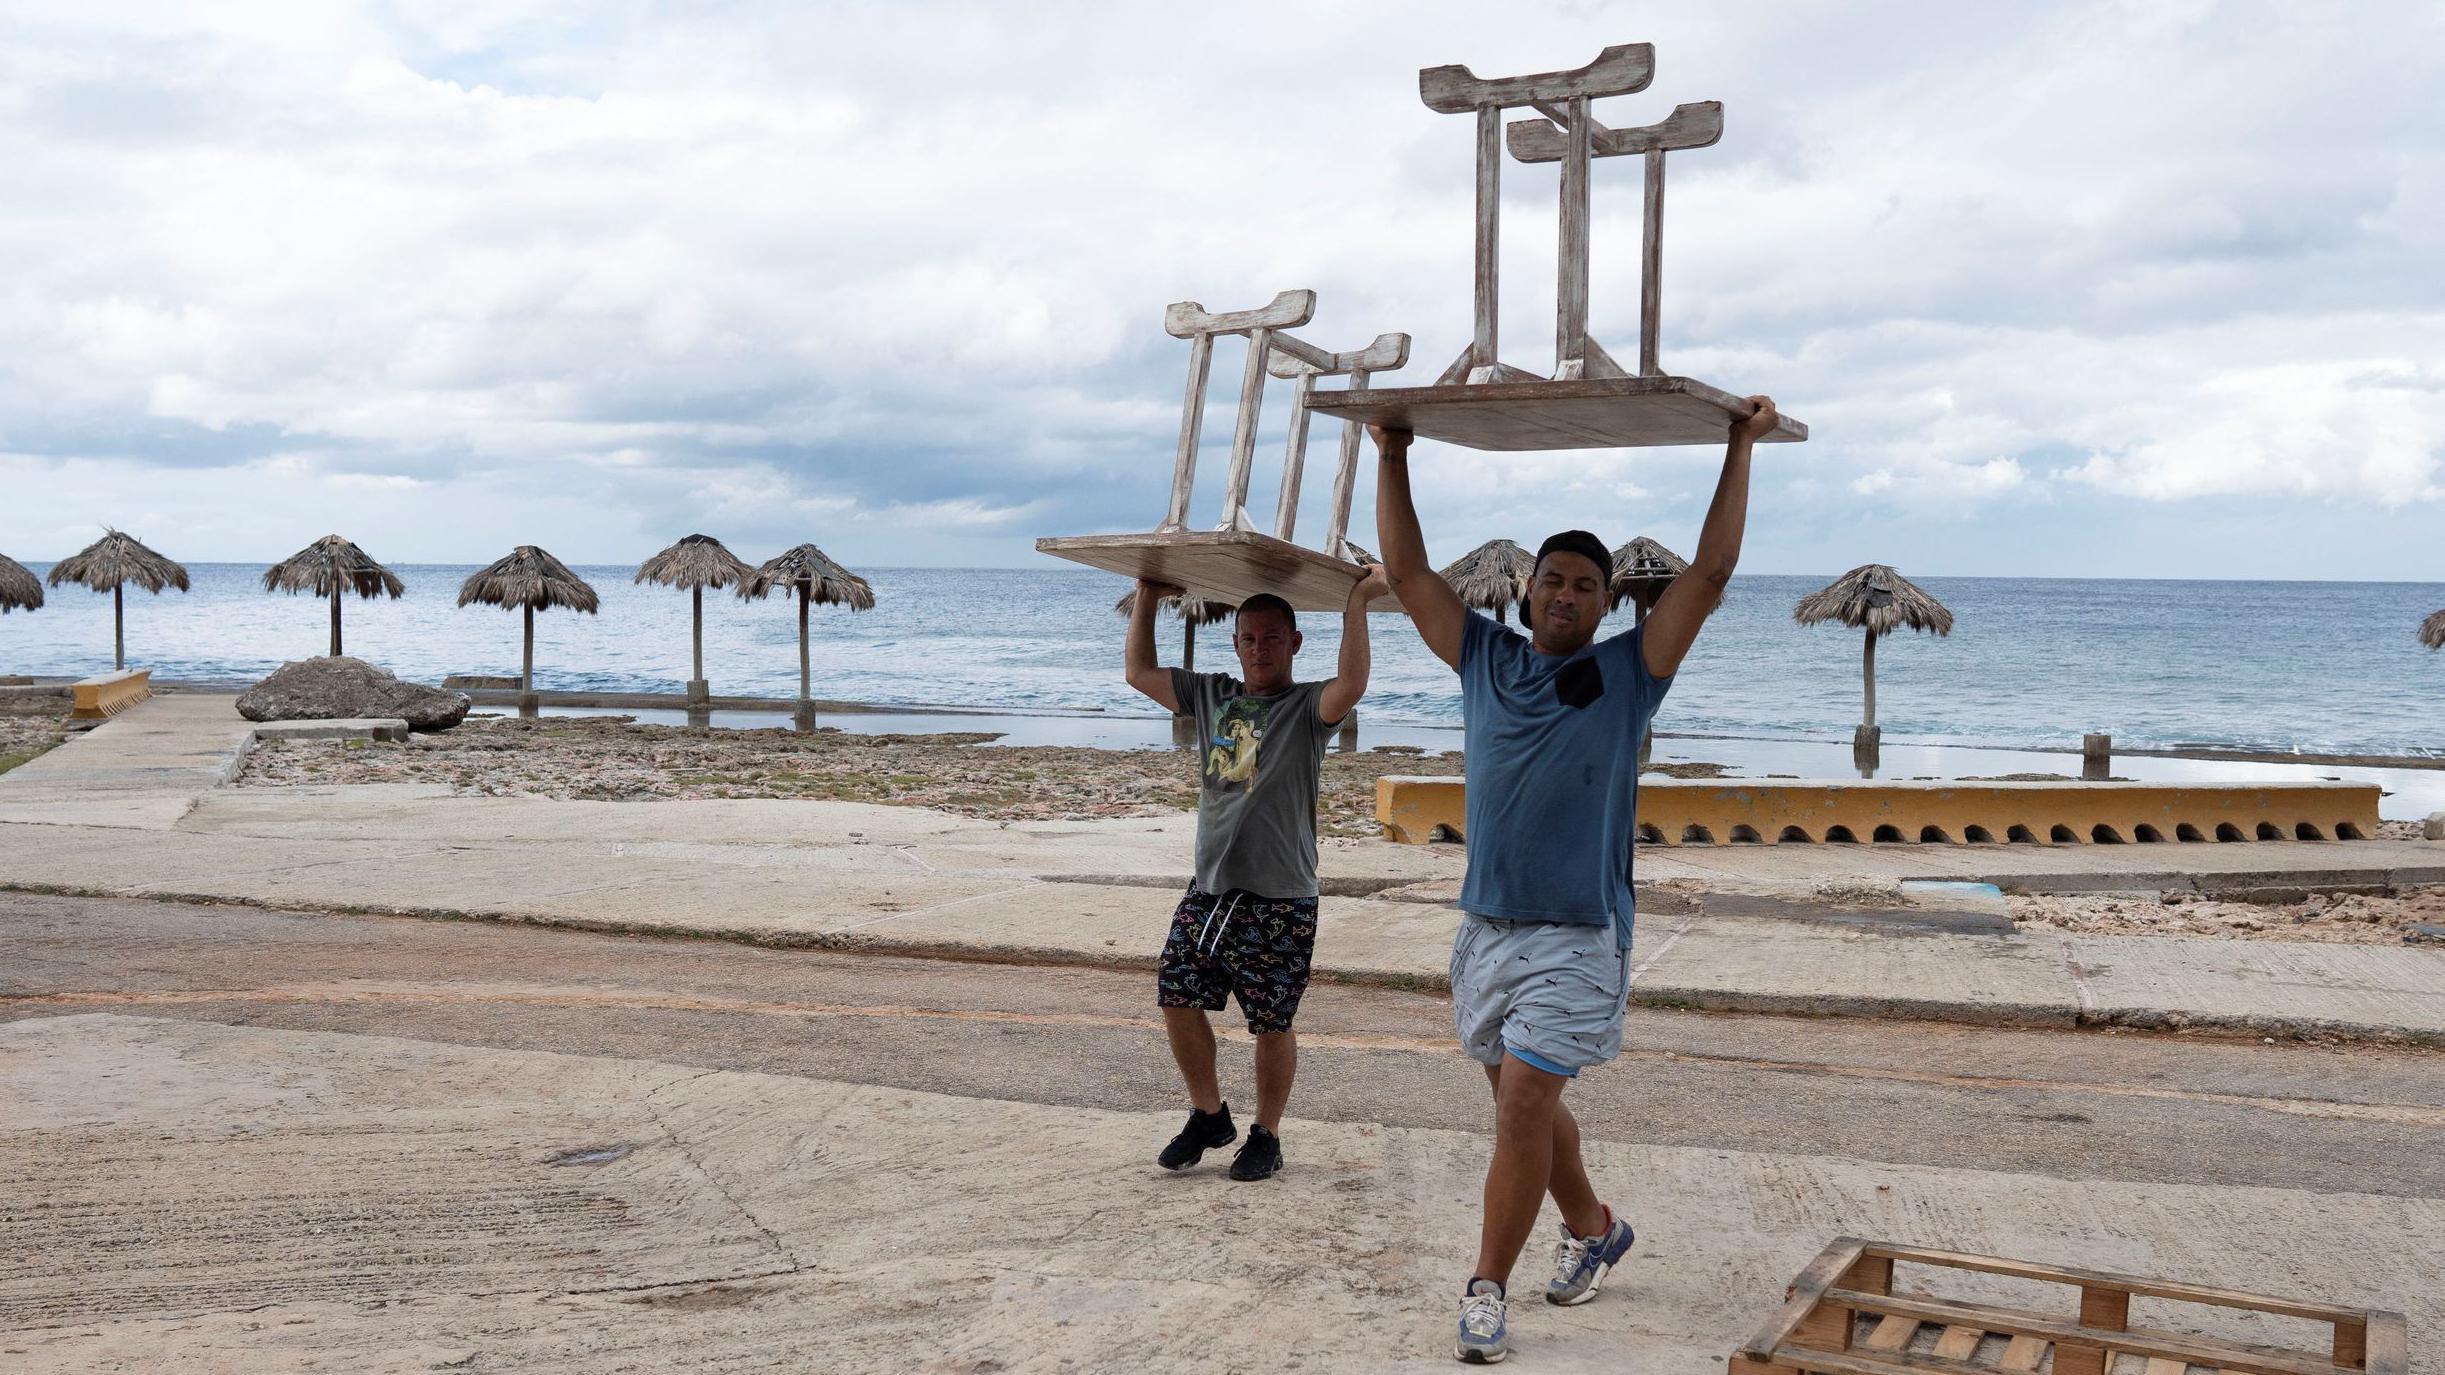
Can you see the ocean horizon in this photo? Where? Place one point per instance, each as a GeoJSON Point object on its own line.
{"type": "Point", "coordinates": [2031, 663]}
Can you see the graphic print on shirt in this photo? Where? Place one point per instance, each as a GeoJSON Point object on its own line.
{"type": "Point", "coordinates": [1231, 753]}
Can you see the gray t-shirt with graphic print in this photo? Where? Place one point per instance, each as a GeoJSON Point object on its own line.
{"type": "Point", "coordinates": [1259, 762]}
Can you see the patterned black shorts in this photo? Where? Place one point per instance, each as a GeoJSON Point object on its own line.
{"type": "Point", "coordinates": [1239, 944]}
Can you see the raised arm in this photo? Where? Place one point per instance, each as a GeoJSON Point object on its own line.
{"type": "Point", "coordinates": [1673, 626]}
{"type": "Point", "coordinates": [1143, 672]}
{"type": "Point", "coordinates": [1350, 675]}
{"type": "Point", "coordinates": [1441, 620]}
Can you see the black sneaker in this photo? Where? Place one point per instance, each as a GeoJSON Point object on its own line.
{"type": "Point", "coordinates": [1205, 1131]}
{"type": "Point", "coordinates": [1260, 1157]}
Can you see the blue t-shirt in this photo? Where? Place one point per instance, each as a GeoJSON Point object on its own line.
{"type": "Point", "coordinates": [1552, 765]}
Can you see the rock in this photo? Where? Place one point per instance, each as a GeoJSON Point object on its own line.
{"type": "Point", "coordinates": [329, 689]}
{"type": "Point", "coordinates": [2434, 826]}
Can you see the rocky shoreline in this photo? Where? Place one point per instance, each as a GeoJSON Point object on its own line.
{"type": "Point", "coordinates": [612, 758]}
{"type": "Point", "coordinates": [29, 725]}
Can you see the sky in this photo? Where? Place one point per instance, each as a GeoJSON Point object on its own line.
{"type": "Point", "coordinates": [2149, 289]}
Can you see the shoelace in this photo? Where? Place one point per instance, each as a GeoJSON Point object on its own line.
{"type": "Point", "coordinates": [1481, 1315]}
{"type": "Point", "coordinates": [1570, 1255]}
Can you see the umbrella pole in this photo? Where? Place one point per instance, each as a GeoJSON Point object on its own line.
{"type": "Point", "coordinates": [696, 681]}
{"type": "Point", "coordinates": [335, 620]}
{"type": "Point", "coordinates": [526, 671]}
{"type": "Point", "coordinates": [1646, 734]}
{"type": "Point", "coordinates": [118, 627]}
{"type": "Point", "coordinates": [1188, 646]}
{"type": "Point", "coordinates": [806, 696]}
{"type": "Point", "coordinates": [1867, 673]}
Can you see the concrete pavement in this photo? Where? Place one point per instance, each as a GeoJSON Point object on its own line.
{"type": "Point", "coordinates": [134, 808]}
{"type": "Point", "coordinates": [261, 1200]}
{"type": "Point", "coordinates": [142, 769]}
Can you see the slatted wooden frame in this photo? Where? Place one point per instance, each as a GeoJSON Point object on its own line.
{"type": "Point", "coordinates": [1843, 1316]}
{"type": "Point", "coordinates": [1484, 403]}
{"type": "Point", "coordinates": [1236, 560]}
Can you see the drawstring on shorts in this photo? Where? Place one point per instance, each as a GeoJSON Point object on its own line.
{"type": "Point", "coordinates": [1223, 911]}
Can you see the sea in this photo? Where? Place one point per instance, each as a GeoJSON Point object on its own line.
{"type": "Point", "coordinates": [2031, 663]}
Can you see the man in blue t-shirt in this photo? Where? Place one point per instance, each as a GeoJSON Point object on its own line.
{"type": "Point", "coordinates": [1541, 967]}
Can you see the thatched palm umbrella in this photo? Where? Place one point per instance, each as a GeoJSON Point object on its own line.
{"type": "Point", "coordinates": [1874, 598]}
{"type": "Point", "coordinates": [1193, 613]}
{"type": "Point", "coordinates": [1492, 577]}
{"type": "Point", "coordinates": [20, 590]}
{"type": "Point", "coordinates": [532, 581]}
{"type": "Point", "coordinates": [328, 567]}
{"type": "Point", "coordinates": [2432, 631]}
{"type": "Point", "coordinates": [1642, 569]}
{"type": "Point", "coordinates": [109, 564]}
{"type": "Point", "coordinates": [819, 581]}
{"type": "Point", "coordinates": [696, 563]}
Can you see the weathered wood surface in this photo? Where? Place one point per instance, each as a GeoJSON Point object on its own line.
{"type": "Point", "coordinates": [1294, 458]}
{"type": "Point", "coordinates": [1294, 356]}
{"type": "Point", "coordinates": [1813, 1335]}
{"type": "Point", "coordinates": [1192, 424]}
{"type": "Point", "coordinates": [1480, 362]}
{"type": "Point", "coordinates": [1243, 433]}
{"type": "Point", "coordinates": [1600, 413]}
{"type": "Point", "coordinates": [1305, 363]}
{"type": "Point", "coordinates": [1191, 321]}
{"type": "Point", "coordinates": [1651, 267]}
{"type": "Point", "coordinates": [1287, 310]}
{"type": "Point", "coordinates": [2141, 1285]}
{"type": "Point", "coordinates": [1698, 124]}
{"type": "Point", "coordinates": [1227, 566]}
{"type": "Point", "coordinates": [1620, 69]}
{"type": "Point", "coordinates": [1571, 258]}
{"type": "Point", "coordinates": [1345, 479]}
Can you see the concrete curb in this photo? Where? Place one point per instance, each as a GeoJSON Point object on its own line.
{"type": "Point", "coordinates": [390, 728]}
{"type": "Point", "coordinates": [2240, 883]}
{"type": "Point", "coordinates": [2036, 1016]}
{"type": "Point", "coordinates": [2067, 1015]}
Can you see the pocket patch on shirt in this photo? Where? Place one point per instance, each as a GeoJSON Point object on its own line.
{"type": "Point", "coordinates": [1579, 682]}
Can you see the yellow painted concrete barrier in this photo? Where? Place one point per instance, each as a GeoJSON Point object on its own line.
{"type": "Point", "coordinates": [1817, 811]}
{"type": "Point", "coordinates": [107, 694]}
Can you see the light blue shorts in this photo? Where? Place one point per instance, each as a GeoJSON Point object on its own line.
{"type": "Point", "coordinates": [1551, 993]}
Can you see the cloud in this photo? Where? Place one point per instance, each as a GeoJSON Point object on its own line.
{"type": "Point", "coordinates": [2332, 430]}
{"type": "Point", "coordinates": [891, 278]}
{"type": "Point", "coordinates": [1944, 485]}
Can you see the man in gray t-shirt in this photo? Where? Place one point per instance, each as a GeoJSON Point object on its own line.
{"type": "Point", "coordinates": [1246, 928]}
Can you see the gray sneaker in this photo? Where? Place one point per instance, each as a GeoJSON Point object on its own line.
{"type": "Point", "coordinates": [1485, 1338]}
{"type": "Point", "coordinates": [1581, 1263]}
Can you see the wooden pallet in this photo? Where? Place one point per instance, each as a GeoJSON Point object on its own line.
{"type": "Point", "coordinates": [1593, 413]}
{"type": "Point", "coordinates": [1227, 566]}
{"type": "Point", "coordinates": [1843, 1316]}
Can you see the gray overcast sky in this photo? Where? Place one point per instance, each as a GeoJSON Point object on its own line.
{"type": "Point", "coordinates": [2130, 289]}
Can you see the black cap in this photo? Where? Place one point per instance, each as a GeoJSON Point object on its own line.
{"type": "Point", "coordinates": [1582, 543]}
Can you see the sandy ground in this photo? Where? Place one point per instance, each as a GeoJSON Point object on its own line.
{"type": "Point", "coordinates": [614, 759]}
{"type": "Point", "coordinates": [2349, 919]}
{"type": "Point", "coordinates": [253, 1200]}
